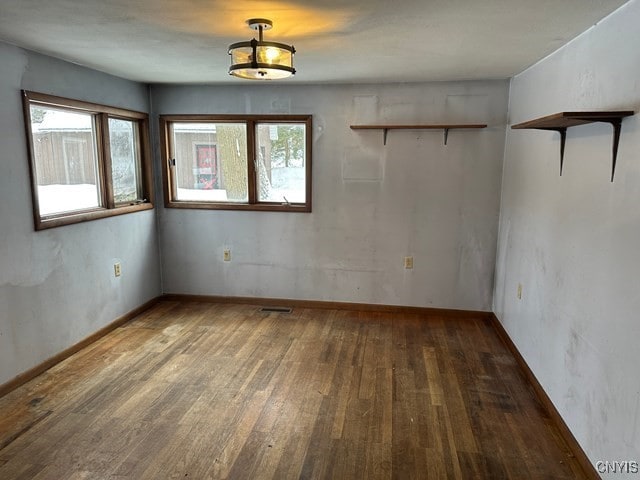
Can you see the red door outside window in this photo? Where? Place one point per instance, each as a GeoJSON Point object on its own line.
{"type": "Point", "coordinates": [207, 167]}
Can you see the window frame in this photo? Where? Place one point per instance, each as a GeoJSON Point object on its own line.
{"type": "Point", "coordinates": [251, 121]}
{"type": "Point", "coordinates": [101, 115]}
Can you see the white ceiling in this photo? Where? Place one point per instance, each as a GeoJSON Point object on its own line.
{"type": "Point", "coordinates": [185, 41]}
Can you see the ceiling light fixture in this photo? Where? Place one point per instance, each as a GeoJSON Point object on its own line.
{"type": "Point", "coordinates": [260, 60]}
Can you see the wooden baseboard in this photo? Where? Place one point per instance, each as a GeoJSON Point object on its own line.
{"type": "Point", "coordinates": [365, 307]}
{"type": "Point", "coordinates": [47, 364]}
{"type": "Point", "coordinates": [573, 445]}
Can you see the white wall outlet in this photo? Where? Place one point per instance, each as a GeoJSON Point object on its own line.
{"type": "Point", "coordinates": [519, 291]}
{"type": "Point", "coordinates": [117, 270]}
{"type": "Point", "coordinates": [408, 262]}
{"type": "Point", "coordinates": [226, 255]}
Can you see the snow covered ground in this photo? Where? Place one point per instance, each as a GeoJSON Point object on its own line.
{"type": "Point", "coordinates": [197, 195]}
{"type": "Point", "coordinates": [287, 183]}
{"type": "Point", "coordinates": [54, 199]}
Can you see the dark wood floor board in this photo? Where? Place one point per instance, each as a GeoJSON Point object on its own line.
{"type": "Point", "coordinates": [209, 437]}
{"type": "Point", "coordinates": [181, 455]}
{"type": "Point", "coordinates": [262, 454]}
{"type": "Point", "coordinates": [316, 458]}
{"type": "Point", "coordinates": [378, 462]}
{"type": "Point", "coordinates": [449, 444]}
{"type": "Point", "coordinates": [539, 455]}
{"type": "Point", "coordinates": [233, 443]}
{"type": "Point", "coordinates": [51, 442]}
{"type": "Point", "coordinates": [20, 470]}
{"type": "Point", "coordinates": [226, 391]}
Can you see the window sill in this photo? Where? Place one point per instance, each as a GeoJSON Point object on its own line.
{"type": "Point", "coordinates": [260, 207]}
{"type": "Point", "coordinates": [88, 215]}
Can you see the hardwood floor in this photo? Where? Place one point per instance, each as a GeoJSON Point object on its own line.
{"type": "Point", "coordinates": [201, 390]}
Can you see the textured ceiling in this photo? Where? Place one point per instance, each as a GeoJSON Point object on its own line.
{"type": "Point", "coordinates": [185, 41]}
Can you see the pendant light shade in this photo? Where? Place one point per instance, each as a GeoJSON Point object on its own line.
{"type": "Point", "coordinates": [260, 60]}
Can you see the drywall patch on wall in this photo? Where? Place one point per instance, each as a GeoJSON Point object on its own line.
{"type": "Point", "coordinates": [362, 165]}
{"type": "Point", "coordinates": [33, 261]}
{"type": "Point", "coordinates": [401, 111]}
{"type": "Point", "coordinates": [466, 108]}
{"type": "Point", "coordinates": [364, 110]}
{"type": "Point", "coordinates": [280, 105]}
{"type": "Point", "coordinates": [471, 275]}
{"type": "Point", "coordinates": [319, 128]}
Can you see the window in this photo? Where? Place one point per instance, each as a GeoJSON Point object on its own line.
{"type": "Point", "coordinates": [87, 161]}
{"type": "Point", "coordinates": [247, 162]}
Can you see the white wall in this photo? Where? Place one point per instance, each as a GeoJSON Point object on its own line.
{"type": "Point", "coordinates": [573, 242]}
{"type": "Point", "coordinates": [372, 205]}
{"type": "Point", "coordinates": [57, 286]}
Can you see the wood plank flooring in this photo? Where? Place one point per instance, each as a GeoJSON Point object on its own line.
{"type": "Point", "coordinates": [201, 390]}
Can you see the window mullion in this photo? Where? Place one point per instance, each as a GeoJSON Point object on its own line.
{"type": "Point", "coordinates": [145, 158]}
{"type": "Point", "coordinates": [171, 194]}
{"type": "Point", "coordinates": [251, 161]}
{"type": "Point", "coordinates": [104, 160]}
{"type": "Point", "coordinates": [172, 164]}
{"type": "Point", "coordinates": [307, 161]}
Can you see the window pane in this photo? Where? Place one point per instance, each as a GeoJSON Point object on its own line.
{"type": "Point", "coordinates": [211, 161]}
{"type": "Point", "coordinates": [281, 162]}
{"type": "Point", "coordinates": [65, 162]}
{"type": "Point", "coordinates": [125, 160]}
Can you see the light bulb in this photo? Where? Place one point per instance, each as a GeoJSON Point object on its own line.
{"type": "Point", "coordinates": [272, 54]}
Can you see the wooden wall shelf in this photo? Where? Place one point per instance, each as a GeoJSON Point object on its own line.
{"type": "Point", "coordinates": [445, 127]}
{"type": "Point", "coordinates": [559, 122]}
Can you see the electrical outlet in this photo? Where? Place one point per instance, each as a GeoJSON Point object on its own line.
{"type": "Point", "coordinates": [226, 255]}
{"type": "Point", "coordinates": [117, 270]}
{"type": "Point", "coordinates": [519, 291]}
{"type": "Point", "coordinates": [408, 262]}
